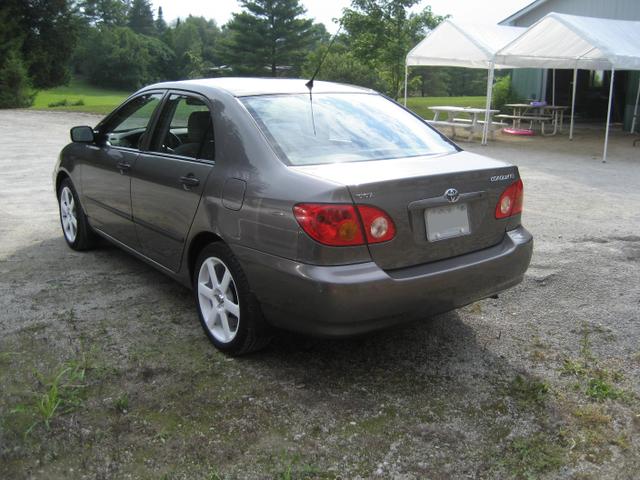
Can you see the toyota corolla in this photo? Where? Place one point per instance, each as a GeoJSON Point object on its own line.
{"type": "Point", "coordinates": [329, 210]}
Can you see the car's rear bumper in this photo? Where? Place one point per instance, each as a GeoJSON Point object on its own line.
{"type": "Point", "coordinates": [352, 299]}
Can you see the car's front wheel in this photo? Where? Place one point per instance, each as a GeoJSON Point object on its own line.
{"type": "Point", "coordinates": [76, 229]}
{"type": "Point", "coordinates": [229, 313]}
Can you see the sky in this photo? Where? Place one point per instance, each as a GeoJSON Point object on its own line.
{"type": "Point", "coordinates": [481, 11]}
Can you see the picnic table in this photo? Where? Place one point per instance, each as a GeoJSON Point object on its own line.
{"type": "Point", "coordinates": [553, 114]}
{"type": "Point", "coordinates": [473, 124]}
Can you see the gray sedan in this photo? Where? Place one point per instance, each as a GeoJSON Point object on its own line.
{"type": "Point", "coordinates": [330, 211]}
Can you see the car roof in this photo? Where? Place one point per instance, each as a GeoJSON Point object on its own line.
{"type": "Point", "coordinates": [241, 87]}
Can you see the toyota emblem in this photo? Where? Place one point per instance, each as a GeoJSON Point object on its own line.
{"type": "Point", "coordinates": [452, 195]}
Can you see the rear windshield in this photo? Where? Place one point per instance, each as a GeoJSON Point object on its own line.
{"type": "Point", "coordinates": [341, 127]}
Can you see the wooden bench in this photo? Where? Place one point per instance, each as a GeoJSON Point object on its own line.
{"type": "Point", "coordinates": [453, 125]}
{"type": "Point", "coordinates": [492, 124]}
{"type": "Point", "coordinates": [472, 125]}
{"type": "Point", "coordinates": [526, 117]}
{"type": "Point", "coordinates": [467, 124]}
{"type": "Point", "coordinates": [445, 123]}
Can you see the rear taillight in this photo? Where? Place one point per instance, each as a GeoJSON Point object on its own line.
{"type": "Point", "coordinates": [378, 226]}
{"type": "Point", "coordinates": [331, 224]}
{"type": "Point", "coordinates": [341, 225]}
{"type": "Point", "coordinates": [510, 202]}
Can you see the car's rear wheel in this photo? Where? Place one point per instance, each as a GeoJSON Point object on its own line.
{"type": "Point", "coordinates": [228, 311]}
{"type": "Point", "coordinates": [76, 229]}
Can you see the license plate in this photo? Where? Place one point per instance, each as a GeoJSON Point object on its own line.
{"type": "Point", "coordinates": [446, 222]}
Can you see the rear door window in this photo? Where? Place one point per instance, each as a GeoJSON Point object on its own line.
{"type": "Point", "coordinates": [184, 128]}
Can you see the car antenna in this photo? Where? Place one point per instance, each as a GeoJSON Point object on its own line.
{"type": "Point", "coordinates": [309, 84]}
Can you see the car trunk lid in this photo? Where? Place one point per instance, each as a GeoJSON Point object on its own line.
{"type": "Point", "coordinates": [412, 191]}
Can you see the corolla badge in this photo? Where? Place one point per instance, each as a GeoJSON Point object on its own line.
{"type": "Point", "coordinates": [499, 178]}
{"type": "Point", "coordinates": [452, 195]}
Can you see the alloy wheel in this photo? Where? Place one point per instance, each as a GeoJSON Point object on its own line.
{"type": "Point", "coordinates": [68, 214]}
{"type": "Point", "coordinates": [218, 299]}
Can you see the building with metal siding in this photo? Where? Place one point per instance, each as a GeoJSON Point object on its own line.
{"type": "Point", "coordinates": [536, 84]}
{"type": "Point", "coordinates": [615, 9]}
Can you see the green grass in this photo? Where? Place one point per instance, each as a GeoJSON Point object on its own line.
{"type": "Point", "coordinates": [528, 457]}
{"type": "Point", "coordinates": [79, 96]}
{"type": "Point", "coordinates": [600, 390]}
{"type": "Point", "coordinates": [529, 391]}
{"type": "Point", "coordinates": [55, 395]}
{"type": "Point", "coordinates": [421, 105]}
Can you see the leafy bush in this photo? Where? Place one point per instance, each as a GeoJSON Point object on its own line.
{"type": "Point", "coordinates": [15, 87]}
{"type": "Point", "coordinates": [503, 93]}
{"type": "Point", "coordinates": [66, 103]}
{"type": "Point", "coordinates": [60, 103]}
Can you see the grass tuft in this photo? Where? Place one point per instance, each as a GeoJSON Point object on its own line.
{"type": "Point", "coordinates": [121, 403]}
{"type": "Point", "coordinates": [573, 367]}
{"type": "Point", "coordinates": [592, 416]}
{"type": "Point", "coordinates": [529, 391]}
{"type": "Point", "coordinates": [600, 390]}
{"type": "Point", "coordinates": [58, 394]}
{"type": "Point", "coordinates": [528, 457]}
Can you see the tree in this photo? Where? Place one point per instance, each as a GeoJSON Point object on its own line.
{"type": "Point", "coordinates": [383, 31]}
{"type": "Point", "coordinates": [341, 65]}
{"type": "Point", "coordinates": [467, 81]}
{"type": "Point", "coordinates": [127, 60]}
{"type": "Point", "coordinates": [194, 42]}
{"type": "Point", "coordinates": [105, 12]}
{"type": "Point", "coordinates": [14, 82]}
{"type": "Point", "coordinates": [268, 34]}
{"type": "Point", "coordinates": [188, 49]}
{"type": "Point", "coordinates": [430, 81]}
{"type": "Point", "coordinates": [46, 31]}
{"type": "Point", "coordinates": [14, 79]}
{"type": "Point", "coordinates": [141, 17]}
{"type": "Point", "coordinates": [161, 25]}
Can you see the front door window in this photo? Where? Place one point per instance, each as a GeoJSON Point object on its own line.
{"type": "Point", "coordinates": [129, 126]}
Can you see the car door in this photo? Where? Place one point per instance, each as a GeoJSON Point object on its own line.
{"type": "Point", "coordinates": [169, 177]}
{"type": "Point", "coordinates": [106, 180]}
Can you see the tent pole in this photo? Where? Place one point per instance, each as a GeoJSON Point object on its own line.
{"type": "Point", "coordinates": [606, 135]}
{"type": "Point", "coordinates": [573, 101]}
{"type": "Point", "coordinates": [487, 114]}
{"type": "Point", "coordinates": [406, 74]}
{"type": "Point", "coordinates": [635, 109]}
{"type": "Point", "coordinates": [553, 88]}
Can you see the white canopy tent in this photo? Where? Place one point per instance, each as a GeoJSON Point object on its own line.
{"type": "Point", "coordinates": [456, 44]}
{"type": "Point", "coordinates": [569, 41]}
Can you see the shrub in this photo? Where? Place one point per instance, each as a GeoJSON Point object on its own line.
{"type": "Point", "coordinates": [15, 87]}
{"type": "Point", "coordinates": [503, 93]}
{"type": "Point", "coordinates": [60, 103]}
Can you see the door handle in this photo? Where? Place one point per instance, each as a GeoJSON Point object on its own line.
{"type": "Point", "coordinates": [189, 181]}
{"type": "Point", "coordinates": [123, 166]}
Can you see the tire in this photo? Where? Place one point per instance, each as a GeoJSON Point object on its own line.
{"type": "Point", "coordinates": [229, 313]}
{"type": "Point", "coordinates": [75, 228]}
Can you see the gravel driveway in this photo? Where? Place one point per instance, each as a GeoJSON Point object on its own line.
{"type": "Point", "coordinates": [105, 372]}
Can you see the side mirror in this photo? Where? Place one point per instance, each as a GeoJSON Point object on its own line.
{"type": "Point", "coordinates": [82, 134]}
